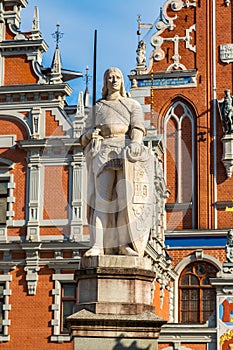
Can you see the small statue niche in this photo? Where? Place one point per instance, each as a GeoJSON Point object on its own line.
{"type": "Point", "coordinates": [226, 114]}
{"type": "Point", "coordinates": [141, 58]}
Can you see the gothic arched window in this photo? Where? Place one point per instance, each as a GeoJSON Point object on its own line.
{"type": "Point", "coordinates": [179, 166]}
{"type": "Point", "coordinates": [196, 294]}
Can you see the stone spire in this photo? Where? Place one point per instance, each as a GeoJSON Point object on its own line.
{"type": "Point", "coordinates": [80, 105]}
{"type": "Point", "coordinates": [78, 122]}
{"type": "Point", "coordinates": [36, 34]}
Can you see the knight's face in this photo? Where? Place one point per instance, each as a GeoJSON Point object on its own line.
{"type": "Point", "coordinates": [114, 81]}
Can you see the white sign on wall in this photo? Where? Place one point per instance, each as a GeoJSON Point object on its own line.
{"type": "Point", "coordinates": [226, 53]}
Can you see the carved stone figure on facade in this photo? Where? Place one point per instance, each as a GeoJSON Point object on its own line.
{"type": "Point", "coordinates": [119, 172]}
{"type": "Point", "coordinates": [229, 246]}
{"type": "Point", "coordinates": [227, 113]}
{"type": "Point", "coordinates": [141, 58]}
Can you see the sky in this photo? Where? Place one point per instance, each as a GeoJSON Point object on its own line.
{"type": "Point", "coordinates": [116, 25]}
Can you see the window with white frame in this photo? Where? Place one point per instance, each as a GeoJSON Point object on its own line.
{"type": "Point", "coordinates": [5, 307]}
{"type": "Point", "coordinates": [2, 287]}
{"type": "Point", "coordinates": [179, 166]}
{"type": "Point", "coordinates": [68, 302]}
{"type": "Point", "coordinates": [3, 200]}
{"type": "Point", "coordinates": [7, 199]}
{"type": "Point", "coordinates": [65, 298]}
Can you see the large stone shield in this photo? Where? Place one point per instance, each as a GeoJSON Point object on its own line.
{"type": "Point", "coordinates": [139, 178]}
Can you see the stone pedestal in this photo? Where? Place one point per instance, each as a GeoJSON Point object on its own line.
{"type": "Point", "coordinates": [114, 310]}
{"type": "Point", "coordinates": [227, 157]}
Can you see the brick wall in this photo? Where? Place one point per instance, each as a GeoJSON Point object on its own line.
{"type": "Point", "coordinates": [18, 70]}
{"type": "Point", "coordinates": [56, 192]}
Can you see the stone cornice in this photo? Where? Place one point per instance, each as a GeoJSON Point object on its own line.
{"type": "Point", "coordinates": [43, 143]}
{"type": "Point", "coordinates": [22, 46]}
{"type": "Point", "coordinates": [196, 233]}
{"type": "Point", "coordinates": [43, 95]}
{"type": "Point", "coordinates": [22, 3]}
{"type": "Point", "coordinates": [187, 333]}
{"type": "Point", "coordinates": [162, 74]}
{"type": "Point", "coordinates": [35, 88]}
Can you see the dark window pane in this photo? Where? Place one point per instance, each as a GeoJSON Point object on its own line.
{"type": "Point", "coordinates": [208, 303]}
{"type": "Point", "coordinates": [190, 306]}
{"type": "Point", "coordinates": [68, 302]}
{"type": "Point", "coordinates": [194, 281]}
{"type": "Point", "coordinates": [185, 281]}
{"type": "Point", "coordinates": [1, 291]}
{"type": "Point", "coordinates": [212, 269]}
{"type": "Point", "coordinates": [69, 290]}
{"type": "Point", "coordinates": [200, 269]}
{"type": "Point", "coordinates": [3, 209]}
{"type": "Point", "coordinates": [3, 187]}
{"type": "Point", "coordinates": [206, 281]}
{"type": "Point", "coordinates": [1, 316]}
{"type": "Point", "coordinates": [189, 280]}
{"type": "Point", "coordinates": [189, 269]}
{"type": "Point", "coordinates": [68, 309]}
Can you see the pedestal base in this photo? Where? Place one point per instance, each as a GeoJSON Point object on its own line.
{"type": "Point", "coordinates": [114, 344]}
{"type": "Point", "coordinates": [109, 332]}
{"type": "Point", "coordinates": [114, 309]}
{"type": "Point", "coordinates": [113, 284]}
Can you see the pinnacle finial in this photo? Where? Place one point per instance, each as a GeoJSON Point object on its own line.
{"type": "Point", "coordinates": [87, 77]}
{"type": "Point", "coordinates": [80, 105]}
{"type": "Point", "coordinates": [139, 27]}
{"type": "Point", "coordinates": [86, 93]}
{"type": "Point", "coordinates": [161, 14]}
{"type": "Point", "coordinates": [57, 35]}
{"type": "Point", "coordinates": [35, 33]}
{"type": "Point", "coordinates": [36, 21]}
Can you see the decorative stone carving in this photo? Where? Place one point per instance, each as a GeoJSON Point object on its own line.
{"type": "Point", "coordinates": [227, 157]}
{"type": "Point", "coordinates": [168, 24]}
{"type": "Point", "coordinates": [226, 114]}
{"type": "Point", "coordinates": [34, 196]}
{"type": "Point", "coordinates": [36, 116]}
{"type": "Point", "coordinates": [78, 197]}
{"type": "Point", "coordinates": [158, 54]}
{"type": "Point", "coordinates": [226, 53]}
{"type": "Point", "coordinates": [141, 58]}
{"type": "Point", "coordinates": [32, 266]}
{"type": "Point", "coordinates": [229, 246]}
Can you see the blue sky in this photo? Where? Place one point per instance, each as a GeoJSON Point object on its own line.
{"type": "Point", "coordinates": [116, 24]}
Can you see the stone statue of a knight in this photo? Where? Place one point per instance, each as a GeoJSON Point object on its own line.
{"type": "Point", "coordinates": [120, 172]}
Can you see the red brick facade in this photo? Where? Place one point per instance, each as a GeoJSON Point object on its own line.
{"type": "Point", "coordinates": [38, 160]}
{"type": "Point", "coordinates": [186, 112]}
